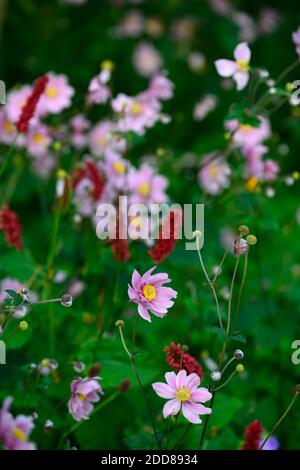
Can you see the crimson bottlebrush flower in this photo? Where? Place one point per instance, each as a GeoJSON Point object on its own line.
{"type": "Point", "coordinates": [29, 108]}
{"type": "Point", "coordinates": [179, 359]}
{"type": "Point", "coordinates": [11, 226]}
{"type": "Point", "coordinates": [167, 238]}
{"type": "Point", "coordinates": [119, 245]}
{"type": "Point", "coordinates": [91, 172]}
{"type": "Point", "coordinates": [252, 436]}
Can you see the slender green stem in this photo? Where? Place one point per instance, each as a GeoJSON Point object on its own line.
{"type": "Point", "coordinates": [222, 262]}
{"type": "Point", "coordinates": [287, 71]}
{"type": "Point", "coordinates": [131, 358]}
{"type": "Point", "coordinates": [242, 284]}
{"type": "Point", "coordinates": [227, 365]}
{"type": "Point", "coordinates": [279, 421]}
{"type": "Point", "coordinates": [7, 158]}
{"type": "Point", "coordinates": [226, 382]}
{"type": "Point", "coordinates": [209, 282]}
{"type": "Point", "coordinates": [207, 419]}
{"type": "Point", "coordinates": [134, 333]}
{"type": "Point", "coordinates": [183, 436]}
{"type": "Point", "coordinates": [232, 286]}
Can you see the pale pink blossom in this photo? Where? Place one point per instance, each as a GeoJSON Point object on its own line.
{"type": "Point", "coordinates": [147, 60]}
{"type": "Point", "coordinates": [79, 125]}
{"type": "Point", "coordinates": [146, 186]}
{"type": "Point", "coordinates": [149, 293]}
{"type": "Point", "coordinates": [14, 432]}
{"type": "Point", "coordinates": [131, 25]}
{"type": "Point", "coordinates": [296, 40]}
{"type": "Point", "coordinates": [136, 113]}
{"type": "Point", "coordinates": [237, 69]}
{"type": "Point", "coordinates": [247, 135]}
{"type": "Point", "coordinates": [98, 91]}
{"type": "Point", "coordinates": [15, 101]}
{"type": "Point", "coordinates": [161, 88]}
{"type": "Point", "coordinates": [183, 394]}
{"type": "Point", "coordinates": [38, 140]}
{"type": "Point", "coordinates": [103, 139]}
{"type": "Point", "coordinates": [57, 96]}
{"type": "Point", "coordinates": [214, 175]}
{"type": "Point", "coordinates": [85, 392]}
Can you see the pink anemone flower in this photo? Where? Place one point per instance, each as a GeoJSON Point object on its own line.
{"type": "Point", "coordinates": [238, 69]}
{"type": "Point", "coordinates": [182, 393]}
{"type": "Point", "coordinates": [149, 293]}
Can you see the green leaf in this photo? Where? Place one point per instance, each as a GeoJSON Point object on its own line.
{"type": "Point", "coordinates": [220, 333]}
{"type": "Point", "coordinates": [17, 299]}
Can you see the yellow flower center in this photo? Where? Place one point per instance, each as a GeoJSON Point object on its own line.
{"type": "Point", "coordinates": [183, 394]}
{"type": "Point", "coordinates": [81, 396]}
{"type": "Point", "coordinates": [243, 65]}
{"type": "Point", "coordinates": [51, 92]}
{"type": "Point", "coordinates": [136, 108]}
{"type": "Point", "coordinates": [213, 170]}
{"type": "Point", "coordinates": [119, 167]}
{"type": "Point", "coordinates": [245, 127]}
{"type": "Point", "coordinates": [102, 141]}
{"type": "Point", "coordinates": [149, 292]}
{"type": "Point", "coordinates": [251, 183]}
{"type": "Point", "coordinates": [19, 434]}
{"type": "Point", "coordinates": [144, 189]}
{"type": "Point", "coordinates": [39, 139]}
{"type": "Point", "coordinates": [45, 362]}
{"type": "Point", "coordinates": [8, 127]}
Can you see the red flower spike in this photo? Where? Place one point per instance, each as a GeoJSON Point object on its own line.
{"type": "Point", "coordinates": [174, 353]}
{"type": "Point", "coordinates": [29, 108]}
{"type": "Point", "coordinates": [11, 226]}
{"type": "Point", "coordinates": [252, 436]}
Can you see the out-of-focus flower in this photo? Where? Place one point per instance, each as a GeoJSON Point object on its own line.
{"type": "Point", "coordinates": [76, 288]}
{"type": "Point", "coordinates": [11, 226]}
{"type": "Point", "coordinates": [88, 185]}
{"type": "Point", "coordinates": [98, 91]}
{"type": "Point", "coordinates": [252, 436]}
{"type": "Point", "coordinates": [16, 101]}
{"type": "Point", "coordinates": [103, 139]}
{"type": "Point", "coordinates": [147, 187]}
{"type": "Point", "coordinates": [46, 366]}
{"type": "Point", "coordinates": [119, 245]}
{"type": "Point", "coordinates": [179, 359]}
{"type": "Point", "coordinates": [147, 60]}
{"type": "Point", "coordinates": [131, 25]}
{"type": "Point", "coordinates": [205, 106]}
{"type": "Point", "coordinates": [85, 392]}
{"type": "Point", "coordinates": [115, 169]}
{"type": "Point", "coordinates": [296, 40]}
{"type": "Point", "coordinates": [79, 125]}
{"type": "Point", "coordinates": [214, 175]}
{"type": "Point", "coordinates": [43, 165]}
{"type": "Point", "coordinates": [8, 130]}
{"type": "Point", "coordinates": [268, 20]}
{"type": "Point", "coordinates": [238, 69]}
{"type": "Point", "coordinates": [160, 88]}
{"type": "Point", "coordinates": [57, 95]}
{"type": "Point", "coordinates": [271, 444]}
{"type": "Point", "coordinates": [196, 61]}
{"type": "Point", "coordinates": [149, 293]}
{"type": "Point", "coordinates": [183, 394]}
{"type": "Point", "coordinates": [247, 135]}
{"type": "Point", "coordinates": [184, 29]}
{"type": "Point", "coordinates": [168, 236]}
{"type": "Point", "coordinates": [14, 432]}
{"type": "Point", "coordinates": [38, 140]}
{"type": "Point", "coordinates": [136, 113]}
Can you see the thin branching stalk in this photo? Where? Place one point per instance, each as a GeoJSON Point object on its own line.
{"type": "Point", "coordinates": [231, 287]}
{"type": "Point", "coordinates": [211, 284]}
{"type": "Point", "coordinates": [279, 421]}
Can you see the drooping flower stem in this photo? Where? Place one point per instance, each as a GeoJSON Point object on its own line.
{"type": "Point", "coordinates": [207, 419]}
{"type": "Point", "coordinates": [279, 421]}
{"type": "Point", "coordinates": [211, 284]}
{"type": "Point", "coordinates": [226, 382]}
{"type": "Point", "coordinates": [131, 358]}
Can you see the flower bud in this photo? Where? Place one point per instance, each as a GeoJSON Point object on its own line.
{"type": "Point", "coordinates": [240, 368]}
{"type": "Point", "coordinates": [215, 375]}
{"type": "Point", "coordinates": [120, 323]}
{"type": "Point", "coordinates": [238, 354]}
{"type": "Point", "coordinates": [66, 300]}
{"type": "Point", "coordinates": [244, 230]}
{"type": "Point", "coordinates": [297, 388]}
{"type": "Point", "coordinates": [48, 424]}
{"type": "Point", "coordinates": [184, 348]}
{"type": "Point", "coordinates": [240, 246]}
{"type": "Point", "coordinates": [23, 325]}
{"type": "Point", "coordinates": [251, 239]}
{"type": "Point", "coordinates": [107, 65]}
{"type": "Point", "coordinates": [296, 175]}
{"type": "Point", "coordinates": [124, 386]}
{"type": "Point", "coordinates": [94, 370]}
